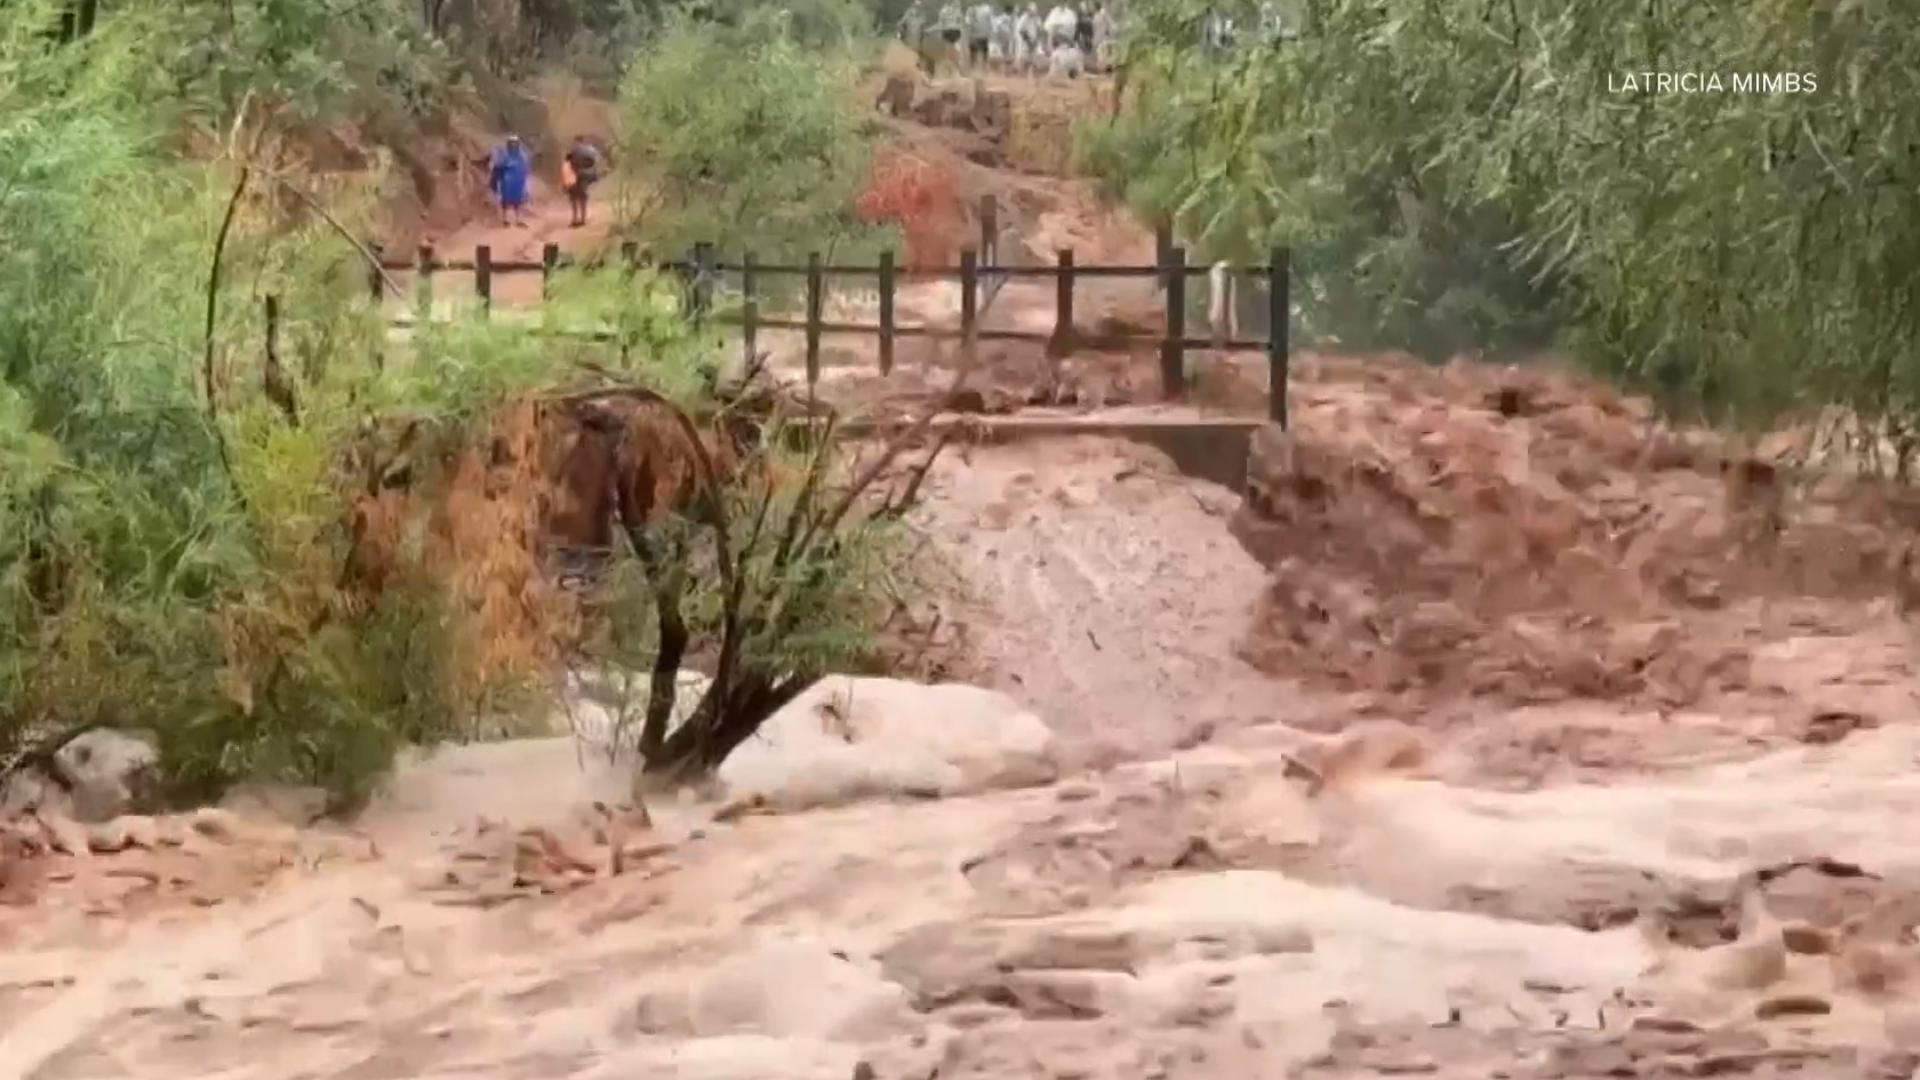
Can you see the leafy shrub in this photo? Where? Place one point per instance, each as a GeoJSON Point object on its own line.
{"type": "Point", "coordinates": [747, 138]}
{"type": "Point", "coordinates": [177, 556]}
{"type": "Point", "coordinates": [1472, 172]}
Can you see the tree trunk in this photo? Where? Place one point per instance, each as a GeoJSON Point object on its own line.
{"type": "Point", "coordinates": [723, 721]}
{"type": "Point", "coordinates": [664, 691]}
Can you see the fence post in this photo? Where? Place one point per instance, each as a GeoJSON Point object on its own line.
{"type": "Point", "coordinates": [886, 312]}
{"type": "Point", "coordinates": [686, 272]}
{"type": "Point", "coordinates": [483, 277]}
{"type": "Point", "coordinates": [376, 277]}
{"type": "Point", "coordinates": [1062, 343]}
{"type": "Point", "coordinates": [813, 321]}
{"type": "Point", "coordinates": [990, 229]}
{"type": "Point", "coordinates": [423, 286]}
{"type": "Point", "coordinates": [1279, 332]}
{"type": "Point", "coordinates": [549, 261]}
{"type": "Point", "coordinates": [1172, 348]}
{"type": "Point", "coordinates": [969, 296]}
{"type": "Point", "coordinates": [1162, 251]}
{"type": "Point", "coordinates": [749, 311]}
{"type": "Point", "coordinates": [702, 279]}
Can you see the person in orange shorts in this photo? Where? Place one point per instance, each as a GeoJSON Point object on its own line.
{"type": "Point", "coordinates": [578, 172]}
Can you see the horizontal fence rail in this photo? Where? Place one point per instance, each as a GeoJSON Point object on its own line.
{"type": "Point", "coordinates": [979, 283]}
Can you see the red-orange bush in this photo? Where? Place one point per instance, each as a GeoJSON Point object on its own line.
{"type": "Point", "coordinates": [920, 197]}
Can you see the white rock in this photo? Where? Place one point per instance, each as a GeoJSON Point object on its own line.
{"type": "Point", "coordinates": [109, 772]}
{"type": "Point", "coordinates": [847, 738]}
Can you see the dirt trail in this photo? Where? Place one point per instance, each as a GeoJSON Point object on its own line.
{"type": "Point", "coordinates": [549, 220]}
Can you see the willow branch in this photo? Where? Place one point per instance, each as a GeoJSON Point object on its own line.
{"type": "Point", "coordinates": [213, 312]}
{"type": "Point", "coordinates": [366, 253]}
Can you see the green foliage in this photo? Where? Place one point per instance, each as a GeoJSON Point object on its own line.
{"type": "Point", "coordinates": [101, 439]}
{"type": "Point", "coordinates": [836, 27]}
{"type": "Point", "coordinates": [146, 578]}
{"type": "Point", "coordinates": [1743, 251]}
{"type": "Point", "coordinates": [751, 141]}
{"type": "Point", "coordinates": [316, 59]}
{"type": "Point", "coordinates": [176, 554]}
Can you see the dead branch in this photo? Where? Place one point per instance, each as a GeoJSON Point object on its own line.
{"type": "Point", "coordinates": [213, 313]}
{"type": "Point", "coordinates": [716, 507]}
{"type": "Point", "coordinates": [895, 447]}
{"type": "Point", "coordinates": [273, 376]}
{"type": "Point", "coordinates": [895, 508]}
{"type": "Point", "coordinates": [314, 205]}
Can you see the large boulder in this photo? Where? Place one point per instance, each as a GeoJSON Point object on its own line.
{"type": "Point", "coordinates": [108, 773]}
{"type": "Point", "coordinates": [846, 738]}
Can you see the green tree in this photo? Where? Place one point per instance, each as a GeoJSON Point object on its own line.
{"type": "Point", "coordinates": [178, 498]}
{"type": "Point", "coordinates": [1743, 251]}
{"type": "Point", "coordinates": [743, 137]}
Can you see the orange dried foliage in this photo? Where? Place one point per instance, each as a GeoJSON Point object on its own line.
{"type": "Point", "coordinates": [540, 478]}
{"type": "Point", "coordinates": [648, 466]}
{"type": "Point", "coordinates": [484, 540]}
{"type": "Point", "coordinates": [486, 535]}
{"type": "Point", "coordinates": [921, 198]}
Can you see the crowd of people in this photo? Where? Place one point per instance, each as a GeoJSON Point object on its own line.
{"type": "Point", "coordinates": [1070, 40]}
{"type": "Point", "coordinates": [1220, 30]}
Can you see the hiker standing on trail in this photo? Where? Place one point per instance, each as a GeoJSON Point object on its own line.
{"type": "Point", "coordinates": [951, 30]}
{"type": "Point", "coordinates": [578, 172]}
{"type": "Point", "coordinates": [1026, 33]}
{"type": "Point", "coordinates": [914, 30]}
{"type": "Point", "coordinates": [1061, 23]}
{"type": "Point", "coordinates": [1220, 31]}
{"type": "Point", "coordinates": [979, 35]}
{"type": "Point", "coordinates": [508, 179]}
{"type": "Point", "coordinates": [1000, 49]}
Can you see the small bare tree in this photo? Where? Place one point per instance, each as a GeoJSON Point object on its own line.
{"type": "Point", "coordinates": [756, 560]}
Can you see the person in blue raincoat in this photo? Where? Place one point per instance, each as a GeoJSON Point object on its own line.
{"type": "Point", "coordinates": [508, 180]}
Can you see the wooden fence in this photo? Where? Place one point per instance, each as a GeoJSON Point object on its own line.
{"type": "Point", "coordinates": [979, 282]}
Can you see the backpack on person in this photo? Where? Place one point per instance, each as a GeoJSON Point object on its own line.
{"type": "Point", "coordinates": [585, 162]}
